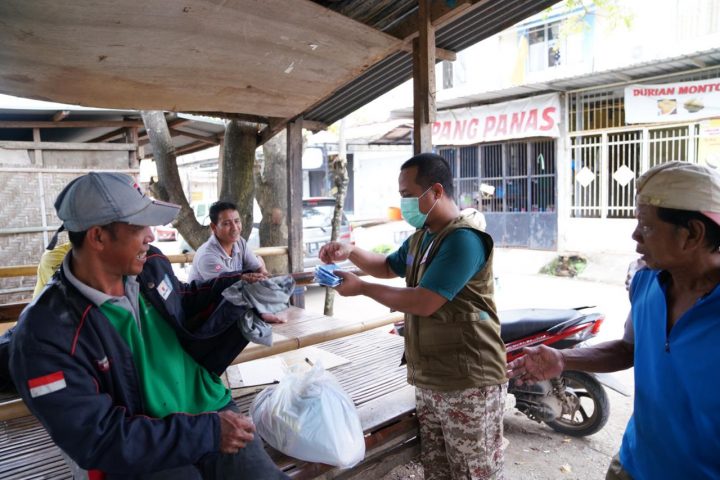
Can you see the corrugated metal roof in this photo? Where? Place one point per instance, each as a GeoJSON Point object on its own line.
{"type": "Point", "coordinates": [379, 14]}
{"type": "Point", "coordinates": [491, 17]}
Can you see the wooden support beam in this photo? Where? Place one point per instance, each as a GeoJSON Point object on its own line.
{"type": "Point", "coordinates": [38, 151]}
{"type": "Point", "coordinates": [71, 124]}
{"type": "Point", "coordinates": [439, 14]}
{"type": "Point", "coordinates": [108, 136]}
{"type": "Point", "coordinates": [177, 122]}
{"type": "Point", "coordinates": [314, 126]}
{"type": "Point", "coordinates": [245, 117]}
{"type": "Point", "coordinates": [212, 140]}
{"type": "Point", "coordinates": [174, 132]}
{"type": "Point", "coordinates": [60, 115]}
{"type": "Point", "coordinates": [190, 147]}
{"type": "Point", "coordinates": [424, 81]}
{"type": "Point", "coordinates": [131, 136]}
{"type": "Point", "coordinates": [273, 128]}
{"type": "Point", "coordinates": [13, 145]}
{"type": "Point", "coordinates": [294, 198]}
{"type": "Point", "coordinates": [440, 53]}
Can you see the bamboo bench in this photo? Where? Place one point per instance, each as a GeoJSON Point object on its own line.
{"type": "Point", "coordinates": [374, 380]}
{"type": "Point", "coordinates": [386, 406]}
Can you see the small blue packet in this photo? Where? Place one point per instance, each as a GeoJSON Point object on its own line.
{"type": "Point", "coordinates": [324, 275]}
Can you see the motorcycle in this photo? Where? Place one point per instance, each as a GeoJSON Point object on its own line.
{"type": "Point", "coordinates": [575, 403]}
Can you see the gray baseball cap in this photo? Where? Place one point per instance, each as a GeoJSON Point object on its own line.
{"type": "Point", "coordinates": [101, 198]}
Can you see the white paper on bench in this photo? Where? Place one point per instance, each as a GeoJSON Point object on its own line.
{"type": "Point", "coordinates": [268, 370]}
{"type": "Point", "coordinates": [259, 372]}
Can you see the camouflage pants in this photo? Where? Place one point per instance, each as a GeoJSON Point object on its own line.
{"type": "Point", "coordinates": [461, 433]}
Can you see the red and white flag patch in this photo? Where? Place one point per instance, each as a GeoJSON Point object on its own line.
{"type": "Point", "coordinates": [46, 384]}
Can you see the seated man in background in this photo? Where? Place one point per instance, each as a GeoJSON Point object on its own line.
{"type": "Point", "coordinates": [226, 250]}
{"type": "Point", "coordinates": [120, 361]}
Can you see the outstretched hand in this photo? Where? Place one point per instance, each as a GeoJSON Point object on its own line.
{"type": "Point", "coordinates": [334, 252]}
{"type": "Point", "coordinates": [538, 363]}
{"type": "Point", "coordinates": [351, 284]}
{"type": "Point", "coordinates": [236, 431]}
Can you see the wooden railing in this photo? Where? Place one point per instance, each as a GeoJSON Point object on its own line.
{"type": "Point", "coordinates": [9, 312]}
{"type": "Point", "coordinates": [388, 421]}
{"type": "Point", "coordinates": [31, 270]}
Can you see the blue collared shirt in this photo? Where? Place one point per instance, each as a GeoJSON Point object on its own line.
{"type": "Point", "coordinates": [675, 428]}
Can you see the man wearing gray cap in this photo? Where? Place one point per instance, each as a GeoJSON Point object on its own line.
{"type": "Point", "coordinates": [120, 361]}
{"type": "Point", "coordinates": [673, 337]}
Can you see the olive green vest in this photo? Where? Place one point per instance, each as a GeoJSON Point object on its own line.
{"type": "Point", "coordinates": [458, 346]}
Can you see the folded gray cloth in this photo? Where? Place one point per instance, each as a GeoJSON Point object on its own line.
{"type": "Point", "coordinates": [266, 296]}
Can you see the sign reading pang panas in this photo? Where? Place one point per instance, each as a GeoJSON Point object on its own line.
{"type": "Point", "coordinates": [530, 117]}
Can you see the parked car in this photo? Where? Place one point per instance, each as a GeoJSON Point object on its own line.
{"type": "Point", "coordinates": [166, 233]}
{"type": "Point", "coordinates": [317, 228]}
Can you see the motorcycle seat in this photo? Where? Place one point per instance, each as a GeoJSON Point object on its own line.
{"type": "Point", "coordinates": [520, 323]}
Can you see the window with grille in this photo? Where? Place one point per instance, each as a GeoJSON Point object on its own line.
{"type": "Point", "coordinates": [544, 47]}
{"type": "Point", "coordinates": [515, 177]}
{"type": "Point", "coordinates": [624, 165]}
{"type": "Point", "coordinates": [585, 162]}
{"type": "Point", "coordinates": [606, 166]}
{"type": "Point", "coordinates": [595, 111]}
{"type": "Point", "coordinates": [492, 190]}
{"type": "Point", "coordinates": [542, 176]}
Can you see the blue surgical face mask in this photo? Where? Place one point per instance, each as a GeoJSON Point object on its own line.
{"type": "Point", "coordinates": [410, 209]}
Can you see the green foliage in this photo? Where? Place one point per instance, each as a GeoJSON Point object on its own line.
{"type": "Point", "coordinates": [383, 249]}
{"type": "Point", "coordinates": [616, 12]}
{"type": "Point", "coordinates": [565, 266]}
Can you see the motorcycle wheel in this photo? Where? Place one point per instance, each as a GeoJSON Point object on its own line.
{"type": "Point", "coordinates": [593, 407]}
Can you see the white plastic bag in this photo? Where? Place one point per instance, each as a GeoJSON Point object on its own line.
{"type": "Point", "coordinates": [308, 416]}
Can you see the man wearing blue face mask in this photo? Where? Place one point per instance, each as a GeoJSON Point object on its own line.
{"type": "Point", "coordinates": [455, 356]}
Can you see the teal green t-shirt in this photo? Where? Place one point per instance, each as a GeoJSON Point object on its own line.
{"type": "Point", "coordinates": [171, 380]}
{"type": "Point", "coordinates": [460, 257]}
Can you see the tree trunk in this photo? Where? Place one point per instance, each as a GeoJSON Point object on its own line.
{"type": "Point", "coordinates": [340, 182]}
{"type": "Point", "coordinates": [168, 187]}
{"type": "Point", "coordinates": [238, 160]}
{"type": "Point", "coordinates": [271, 194]}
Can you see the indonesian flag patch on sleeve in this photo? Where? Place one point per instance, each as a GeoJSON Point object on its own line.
{"type": "Point", "coordinates": [47, 384]}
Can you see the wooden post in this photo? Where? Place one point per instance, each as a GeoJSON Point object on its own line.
{"type": "Point", "coordinates": [424, 81]}
{"type": "Point", "coordinates": [294, 199]}
{"type": "Point", "coordinates": [131, 136]}
{"type": "Point", "coordinates": [221, 160]}
{"type": "Point", "coordinates": [38, 152]}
